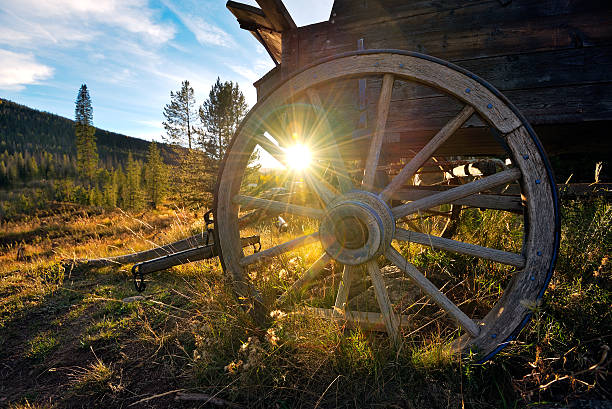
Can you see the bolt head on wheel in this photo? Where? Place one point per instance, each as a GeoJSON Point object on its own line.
{"type": "Point", "coordinates": [357, 227]}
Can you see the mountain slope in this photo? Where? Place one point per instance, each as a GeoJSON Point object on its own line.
{"type": "Point", "coordinates": [23, 129]}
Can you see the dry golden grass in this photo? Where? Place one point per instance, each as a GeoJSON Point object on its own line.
{"type": "Point", "coordinates": [67, 338]}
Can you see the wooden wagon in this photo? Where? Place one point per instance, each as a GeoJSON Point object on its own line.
{"type": "Point", "coordinates": [404, 143]}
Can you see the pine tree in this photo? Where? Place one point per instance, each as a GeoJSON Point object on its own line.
{"type": "Point", "coordinates": [133, 197]}
{"type": "Point", "coordinates": [194, 179]}
{"type": "Point", "coordinates": [111, 190]}
{"type": "Point", "coordinates": [4, 179]}
{"type": "Point", "coordinates": [32, 168]}
{"type": "Point", "coordinates": [156, 176]}
{"type": "Point", "coordinates": [220, 115]}
{"type": "Point", "coordinates": [87, 152]}
{"type": "Point", "coordinates": [180, 116]}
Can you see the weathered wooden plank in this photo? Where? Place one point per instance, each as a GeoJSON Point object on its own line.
{"type": "Point", "coordinates": [546, 105]}
{"type": "Point", "coordinates": [277, 14]}
{"type": "Point", "coordinates": [510, 203]}
{"type": "Point", "coordinates": [455, 246]}
{"type": "Point", "coordinates": [181, 245]}
{"type": "Point", "coordinates": [369, 321]}
{"type": "Point", "coordinates": [459, 192]}
{"type": "Point", "coordinates": [188, 256]}
{"type": "Point", "coordinates": [479, 30]}
{"type": "Point", "coordinates": [413, 122]}
{"type": "Point", "coordinates": [270, 80]}
{"type": "Point", "coordinates": [245, 13]}
{"type": "Point", "coordinates": [280, 249]}
{"type": "Point", "coordinates": [272, 41]}
{"type": "Point", "coordinates": [253, 19]}
{"type": "Point", "coordinates": [575, 66]}
{"type": "Point", "coordinates": [557, 68]}
{"type": "Point", "coordinates": [350, 12]}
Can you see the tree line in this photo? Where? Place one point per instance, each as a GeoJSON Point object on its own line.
{"type": "Point", "coordinates": [183, 170]}
{"type": "Point", "coordinates": [132, 186]}
{"type": "Point", "coordinates": [23, 129]}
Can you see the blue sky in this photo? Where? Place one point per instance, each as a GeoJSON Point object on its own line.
{"type": "Point", "coordinates": [130, 53]}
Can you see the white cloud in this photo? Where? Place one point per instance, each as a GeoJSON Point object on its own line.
{"type": "Point", "coordinates": [255, 71]}
{"type": "Point", "coordinates": [245, 72]}
{"type": "Point", "coordinates": [18, 70]}
{"type": "Point", "coordinates": [32, 23]}
{"type": "Point", "coordinates": [205, 32]}
{"type": "Point", "coordinates": [151, 123]}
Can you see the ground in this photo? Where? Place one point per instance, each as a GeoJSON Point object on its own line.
{"type": "Point", "coordinates": [78, 337]}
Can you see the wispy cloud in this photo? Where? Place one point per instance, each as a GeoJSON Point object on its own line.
{"type": "Point", "coordinates": [205, 32]}
{"type": "Point", "coordinates": [31, 23]}
{"type": "Point", "coordinates": [18, 70]}
{"type": "Point", "coordinates": [253, 72]}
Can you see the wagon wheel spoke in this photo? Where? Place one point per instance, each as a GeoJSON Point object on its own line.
{"type": "Point", "coordinates": [426, 152]}
{"type": "Point", "coordinates": [274, 151]}
{"type": "Point", "coordinates": [344, 180]}
{"type": "Point", "coordinates": [320, 186]}
{"type": "Point", "coordinates": [384, 102]}
{"type": "Point", "coordinates": [380, 290]}
{"type": "Point", "coordinates": [273, 206]}
{"type": "Point", "coordinates": [343, 290]}
{"type": "Point", "coordinates": [509, 203]}
{"type": "Point", "coordinates": [487, 253]}
{"type": "Point", "coordinates": [314, 271]}
{"type": "Point", "coordinates": [280, 249]}
{"type": "Point", "coordinates": [316, 184]}
{"type": "Point", "coordinates": [456, 193]}
{"type": "Point", "coordinates": [430, 289]}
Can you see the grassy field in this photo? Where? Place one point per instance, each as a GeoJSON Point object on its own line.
{"type": "Point", "coordinates": [73, 337]}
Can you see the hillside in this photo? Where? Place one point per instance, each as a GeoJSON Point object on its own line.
{"type": "Point", "coordinates": [23, 129]}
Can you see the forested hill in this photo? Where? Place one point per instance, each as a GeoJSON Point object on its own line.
{"type": "Point", "coordinates": [23, 129]}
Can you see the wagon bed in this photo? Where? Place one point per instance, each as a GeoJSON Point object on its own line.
{"type": "Point", "coordinates": [552, 59]}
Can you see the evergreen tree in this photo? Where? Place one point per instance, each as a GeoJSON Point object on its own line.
{"type": "Point", "coordinates": [32, 168]}
{"type": "Point", "coordinates": [220, 115]}
{"type": "Point", "coordinates": [4, 180]}
{"type": "Point", "coordinates": [87, 152]}
{"type": "Point", "coordinates": [109, 191]}
{"type": "Point", "coordinates": [133, 194]}
{"type": "Point", "coordinates": [194, 179]}
{"type": "Point", "coordinates": [180, 116]}
{"type": "Point", "coordinates": [156, 176]}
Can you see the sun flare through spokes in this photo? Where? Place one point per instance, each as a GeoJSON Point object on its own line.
{"type": "Point", "coordinates": [298, 157]}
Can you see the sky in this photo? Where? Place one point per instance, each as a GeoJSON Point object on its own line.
{"type": "Point", "coordinates": [130, 53]}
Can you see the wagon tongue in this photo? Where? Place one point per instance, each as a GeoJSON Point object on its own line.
{"type": "Point", "coordinates": [198, 253]}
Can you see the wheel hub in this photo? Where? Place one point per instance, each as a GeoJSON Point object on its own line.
{"type": "Point", "coordinates": [357, 227]}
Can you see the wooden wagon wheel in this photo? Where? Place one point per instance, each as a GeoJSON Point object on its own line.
{"type": "Point", "coordinates": [354, 225]}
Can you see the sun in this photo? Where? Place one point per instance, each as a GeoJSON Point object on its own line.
{"type": "Point", "coordinates": [298, 157]}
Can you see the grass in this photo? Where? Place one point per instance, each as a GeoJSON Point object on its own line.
{"type": "Point", "coordinates": [67, 338]}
